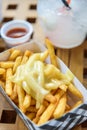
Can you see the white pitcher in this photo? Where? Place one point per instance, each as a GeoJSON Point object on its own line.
{"type": "Point", "coordinates": [64, 21]}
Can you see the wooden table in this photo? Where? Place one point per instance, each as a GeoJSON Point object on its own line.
{"type": "Point", "coordinates": [75, 59]}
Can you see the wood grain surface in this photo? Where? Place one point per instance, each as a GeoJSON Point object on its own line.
{"type": "Point", "coordinates": [75, 59]}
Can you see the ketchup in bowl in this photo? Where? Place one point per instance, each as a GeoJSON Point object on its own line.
{"type": "Point", "coordinates": [16, 32]}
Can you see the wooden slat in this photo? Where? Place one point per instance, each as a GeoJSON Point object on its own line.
{"type": "Point", "coordinates": [76, 62]}
{"type": "Point", "coordinates": [76, 66]}
{"type": "Point", "coordinates": [77, 128]}
{"type": "Point", "coordinates": [85, 83]}
{"type": "Point", "coordinates": [63, 55]}
{"type": "Point", "coordinates": [4, 104]}
{"type": "Point", "coordinates": [7, 126]}
{"type": "Point", "coordinates": [19, 124]}
{"type": "Point", "coordinates": [85, 62]}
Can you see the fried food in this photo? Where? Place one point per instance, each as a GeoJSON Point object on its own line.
{"type": "Point", "coordinates": [39, 89]}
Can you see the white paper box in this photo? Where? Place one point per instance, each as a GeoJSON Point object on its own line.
{"type": "Point", "coordinates": [68, 120]}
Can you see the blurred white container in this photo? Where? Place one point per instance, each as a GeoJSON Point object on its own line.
{"type": "Point", "coordinates": [11, 27]}
{"type": "Point", "coordinates": [66, 28]}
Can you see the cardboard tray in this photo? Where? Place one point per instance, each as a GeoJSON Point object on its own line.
{"type": "Point", "coordinates": [68, 120]}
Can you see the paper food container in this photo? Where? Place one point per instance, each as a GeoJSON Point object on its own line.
{"type": "Point", "coordinates": [68, 120]}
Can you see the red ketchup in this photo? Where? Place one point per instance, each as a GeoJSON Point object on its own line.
{"type": "Point", "coordinates": [16, 32]}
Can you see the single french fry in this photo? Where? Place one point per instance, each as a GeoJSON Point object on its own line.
{"type": "Point", "coordinates": [50, 109]}
{"type": "Point", "coordinates": [25, 87]}
{"type": "Point", "coordinates": [59, 94]}
{"type": "Point", "coordinates": [26, 56]}
{"type": "Point", "coordinates": [76, 104]}
{"type": "Point", "coordinates": [21, 95]}
{"type": "Point", "coordinates": [32, 109]}
{"type": "Point", "coordinates": [44, 55]}
{"type": "Point", "coordinates": [27, 53]}
{"type": "Point", "coordinates": [17, 63]}
{"type": "Point", "coordinates": [27, 102]}
{"type": "Point", "coordinates": [24, 59]}
{"type": "Point", "coordinates": [50, 98]}
{"type": "Point", "coordinates": [63, 87]}
{"type": "Point", "coordinates": [31, 115]}
{"type": "Point", "coordinates": [60, 108]}
{"type": "Point", "coordinates": [51, 85]}
{"type": "Point", "coordinates": [6, 64]}
{"type": "Point", "coordinates": [41, 110]}
{"type": "Point", "coordinates": [9, 84]}
{"type": "Point", "coordinates": [2, 71]}
{"type": "Point", "coordinates": [14, 93]}
{"type": "Point", "coordinates": [51, 52]}
{"type": "Point", "coordinates": [36, 119]}
{"type": "Point", "coordinates": [74, 90]}
{"type": "Point", "coordinates": [14, 54]}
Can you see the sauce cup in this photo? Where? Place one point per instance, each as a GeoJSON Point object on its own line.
{"type": "Point", "coordinates": [16, 32]}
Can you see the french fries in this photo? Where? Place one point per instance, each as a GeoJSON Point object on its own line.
{"type": "Point", "coordinates": [47, 114]}
{"type": "Point", "coordinates": [74, 90]}
{"type": "Point", "coordinates": [21, 95]}
{"type": "Point", "coordinates": [60, 109]}
{"type": "Point", "coordinates": [6, 65]}
{"type": "Point", "coordinates": [14, 54]}
{"type": "Point", "coordinates": [50, 98]}
{"type": "Point", "coordinates": [31, 115]}
{"type": "Point", "coordinates": [17, 63]}
{"type": "Point", "coordinates": [51, 52]}
{"type": "Point", "coordinates": [9, 84]}
{"type": "Point", "coordinates": [14, 93]}
{"type": "Point", "coordinates": [27, 102]}
{"type": "Point", "coordinates": [40, 90]}
{"type": "Point", "coordinates": [2, 71]}
{"type": "Point", "coordinates": [41, 110]}
{"type": "Point", "coordinates": [26, 56]}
